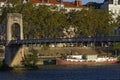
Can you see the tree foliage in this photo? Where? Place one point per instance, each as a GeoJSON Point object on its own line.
{"type": "Point", "coordinates": [116, 46]}
{"type": "Point", "coordinates": [44, 21]}
{"type": "Point", "coordinates": [32, 59]}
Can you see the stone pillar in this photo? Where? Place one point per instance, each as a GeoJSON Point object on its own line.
{"type": "Point", "coordinates": [13, 53]}
{"type": "Point", "coordinates": [11, 19]}
{"type": "Point", "coordinates": [7, 55]}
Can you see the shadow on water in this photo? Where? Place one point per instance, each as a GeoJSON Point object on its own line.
{"type": "Point", "coordinates": [6, 68]}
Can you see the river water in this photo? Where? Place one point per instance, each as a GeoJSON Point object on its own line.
{"type": "Point", "coordinates": [53, 72]}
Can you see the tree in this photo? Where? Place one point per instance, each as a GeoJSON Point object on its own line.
{"type": "Point", "coordinates": [44, 22]}
{"type": "Point", "coordinates": [116, 48]}
{"type": "Point", "coordinates": [32, 59]}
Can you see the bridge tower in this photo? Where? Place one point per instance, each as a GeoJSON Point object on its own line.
{"type": "Point", "coordinates": [14, 31]}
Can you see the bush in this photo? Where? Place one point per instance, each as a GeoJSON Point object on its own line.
{"type": "Point", "coordinates": [31, 60]}
{"type": "Point", "coordinates": [45, 47]}
{"type": "Point", "coordinates": [118, 58]}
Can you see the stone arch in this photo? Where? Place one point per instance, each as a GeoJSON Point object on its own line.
{"type": "Point", "coordinates": [14, 19]}
{"type": "Point", "coordinates": [15, 31]}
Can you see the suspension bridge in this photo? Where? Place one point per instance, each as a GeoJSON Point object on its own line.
{"type": "Point", "coordinates": [14, 49]}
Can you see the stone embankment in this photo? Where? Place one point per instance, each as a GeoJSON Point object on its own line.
{"type": "Point", "coordinates": [66, 50]}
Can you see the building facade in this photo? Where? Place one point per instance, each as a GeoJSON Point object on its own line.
{"type": "Point", "coordinates": [68, 6]}
{"type": "Point", "coordinates": [113, 6]}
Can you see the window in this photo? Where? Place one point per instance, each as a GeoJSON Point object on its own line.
{"type": "Point", "coordinates": [118, 1]}
{"type": "Point", "coordinates": [110, 1]}
{"type": "Point", "coordinates": [115, 11]}
{"type": "Point", "coordinates": [115, 2]}
{"type": "Point", "coordinates": [26, 0]}
{"type": "Point", "coordinates": [46, 1]}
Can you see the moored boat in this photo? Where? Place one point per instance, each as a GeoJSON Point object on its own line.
{"type": "Point", "coordinates": [75, 60]}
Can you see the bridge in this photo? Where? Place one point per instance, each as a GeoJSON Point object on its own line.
{"type": "Point", "coordinates": [63, 40]}
{"type": "Point", "coordinates": [14, 49]}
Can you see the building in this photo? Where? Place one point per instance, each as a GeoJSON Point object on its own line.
{"type": "Point", "coordinates": [113, 6]}
{"type": "Point", "coordinates": [68, 6]}
{"type": "Point", "coordinates": [95, 5]}
{"type": "Point", "coordinates": [117, 31]}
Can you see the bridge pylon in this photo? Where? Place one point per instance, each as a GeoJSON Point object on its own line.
{"type": "Point", "coordinates": [14, 31]}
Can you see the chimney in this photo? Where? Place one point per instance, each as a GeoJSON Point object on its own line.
{"type": "Point", "coordinates": [78, 3]}
{"type": "Point", "coordinates": [47, 1]}
{"type": "Point", "coordinates": [42, 1]}
{"type": "Point", "coordinates": [61, 1]}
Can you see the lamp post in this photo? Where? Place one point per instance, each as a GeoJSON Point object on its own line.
{"type": "Point", "coordinates": [107, 47]}
{"type": "Point", "coordinates": [94, 42]}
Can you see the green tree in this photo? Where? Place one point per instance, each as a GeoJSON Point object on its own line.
{"type": "Point", "coordinates": [42, 21]}
{"type": "Point", "coordinates": [116, 48]}
{"type": "Point", "coordinates": [32, 59]}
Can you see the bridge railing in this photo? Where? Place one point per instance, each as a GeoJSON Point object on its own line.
{"type": "Point", "coordinates": [64, 40]}
{"type": "Point", "coordinates": [68, 40]}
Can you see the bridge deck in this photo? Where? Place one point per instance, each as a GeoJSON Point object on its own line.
{"type": "Point", "coordinates": [64, 40]}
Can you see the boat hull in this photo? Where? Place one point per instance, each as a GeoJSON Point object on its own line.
{"type": "Point", "coordinates": [65, 62]}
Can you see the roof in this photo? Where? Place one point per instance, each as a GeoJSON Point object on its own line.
{"type": "Point", "coordinates": [7, 0]}
{"type": "Point", "coordinates": [72, 4]}
{"type": "Point", "coordinates": [76, 3]}
{"type": "Point", "coordinates": [45, 1]}
{"type": "Point", "coordinates": [35, 1]}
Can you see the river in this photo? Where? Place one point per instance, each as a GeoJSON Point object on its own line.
{"type": "Point", "coordinates": [53, 72]}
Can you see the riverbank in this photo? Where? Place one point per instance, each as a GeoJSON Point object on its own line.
{"type": "Point", "coordinates": [57, 51]}
{"type": "Point", "coordinates": [61, 51]}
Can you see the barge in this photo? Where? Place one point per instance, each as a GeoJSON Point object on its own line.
{"type": "Point", "coordinates": [91, 60]}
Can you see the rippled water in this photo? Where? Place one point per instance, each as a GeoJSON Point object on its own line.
{"type": "Point", "coordinates": [109, 72]}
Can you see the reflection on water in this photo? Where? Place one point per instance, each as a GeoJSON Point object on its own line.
{"type": "Point", "coordinates": [109, 72]}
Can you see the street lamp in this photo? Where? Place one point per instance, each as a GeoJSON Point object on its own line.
{"type": "Point", "coordinates": [107, 47]}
